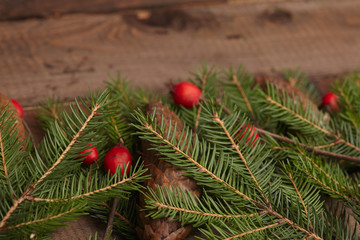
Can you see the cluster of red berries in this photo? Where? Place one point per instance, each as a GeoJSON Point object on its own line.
{"type": "Point", "coordinates": [116, 156]}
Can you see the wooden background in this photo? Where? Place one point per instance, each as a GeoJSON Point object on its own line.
{"type": "Point", "coordinates": [63, 48]}
{"type": "Point", "coordinates": [65, 55]}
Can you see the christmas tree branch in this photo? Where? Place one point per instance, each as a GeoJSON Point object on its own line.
{"type": "Point", "coordinates": [75, 137]}
{"type": "Point", "coordinates": [328, 133]}
{"type": "Point", "coordinates": [4, 163]}
{"type": "Point", "coordinates": [310, 148]}
{"type": "Point", "coordinates": [199, 108]}
{"type": "Point", "coordinates": [247, 102]}
{"type": "Point", "coordinates": [116, 129]}
{"type": "Point", "coordinates": [36, 199]}
{"type": "Point", "coordinates": [161, 205]}
{"type": "Point", "coordinates": [236, 147]}
{"type": "Point", "coordinates": [270, 100]}
{"type": "Point", "coordinates": [253, 231]}
{"type": "Point", "coordinates": [265, 207]}
{"type": "Point", "coordinates": [326, 186]}
{"type": "Point", "coordinates": [37, 221]}
{"type": "Point", "coordinates": [126, 98]}
{"type": "Point", "coordinates": [326, 174]}
{"type": "Point", "coordinates": [49, 171]}
{"type": "Point", "coordinates": [15, 205]}
{"type": "Point", "coordinates": [301, 199]}
{"type": "Point", "coordinates": [198, 165]}
{"type": "Point", "coordinates": [291, 223]}
{"type": "Point", "coordinates": [342, 94]}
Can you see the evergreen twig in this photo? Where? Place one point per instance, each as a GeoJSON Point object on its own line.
{"type": "Point", "coordinates": [309, 148]}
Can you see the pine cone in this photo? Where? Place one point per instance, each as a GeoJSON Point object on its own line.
{"type": "Point", "coordinates": [4, 101]}
{"type": "Point", "coordinates": [163, 174]}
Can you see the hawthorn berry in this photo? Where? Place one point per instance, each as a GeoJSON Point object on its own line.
{"type": "Point", "coordinates": [92, 155]}
{"type": "Point", "coordinates": [18, 107]}
{"type": "Point", "coordinates": [252, 131]}
{"type": "Point", "coordinates": [118, 155]}
{"type": "Point", "coordinates": [329, 101]}
{"type": "Point", "coordinates": [186, 94]}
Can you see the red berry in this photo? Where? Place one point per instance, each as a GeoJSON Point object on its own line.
{"type": "Point", "coordinates": [18, 107]}
{"type": "Point", "coordinates": [186, 94]}
{"type": "Point", "coordinates": [118, 155]}
{"type": "Point", "coordinates": [252, 129]}
{"type": "Point", "coordinates": [92, 155]}
{"type": "Point", "coordinates": [329, 100]}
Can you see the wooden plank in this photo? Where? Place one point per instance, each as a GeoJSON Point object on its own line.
{"type": "Point", "coordinates": [64, 57]}
{"type": "Point", "coordinates": [20, 9]}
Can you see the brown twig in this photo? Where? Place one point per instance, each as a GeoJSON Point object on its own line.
{"type": "Point", "coordinates": [111, 218]}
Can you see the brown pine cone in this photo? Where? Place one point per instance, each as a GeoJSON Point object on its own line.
{"type": "Point", "coordinates": [163, 174]}
{"type": "Point", "coordinates": [4, 101]}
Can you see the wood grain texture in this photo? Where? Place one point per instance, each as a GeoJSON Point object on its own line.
{"type": "Point", "coordinates": [65, 56]}
{"type": "Point", "coordinates": [20, 9]}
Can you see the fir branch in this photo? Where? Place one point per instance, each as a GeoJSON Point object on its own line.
{"type": "Point", "coordinates": [4, 163]}
{"type": "Point", "coordinates": [72, 142]}
{"type": "Point", "coordinates": [204, 78]}
{"type": "Point", "coordinates": [31, 188]}
{"type": "Point", "coordinates": [347, 101]}
{"type": "Point", "coordinates": [236, 147]}
{"type": "Point", "coordinates": [116, 129]}
{"type": "Point", "coordinates": [301, 199]}
{"type": "Point", "coordinates": [161, 205]}
{"type": "Point", "coordinates": [324, 172]}
{"type": "Point", "coordinates": [266, 207]}
{"type": "Point", "coordinates": [328, 145]}
{"type": "Point", "coordinates": [37, 221]}
{"type": "Point", "coordinates": [198, 165]}
{"type": "Point", "coordinates": [270, 100]}
{"type": "Point", "coordinates": [15, 205]}
{"type": "Point", "coordinates": [310, 148]}
{"type": "Point", "coordinates": [319, 128]}
{"type": "Point", "coordinates": [291, 223]}
{"type": "Point", "coordinates": [123, 93]}
{"type": "Point", "coordinates": [253, 231]}
{"type": "Point", "coordinates": [247, 102]}
{"type": "Point", "coordinates": [326, 186]}
{"type": "Point", "coordinates": [36, 199]}
{"type": "Point", "coordinates": [314, 149]}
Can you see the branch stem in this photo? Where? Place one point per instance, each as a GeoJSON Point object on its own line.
{"type": "Point", "coordinates": [111, 218]}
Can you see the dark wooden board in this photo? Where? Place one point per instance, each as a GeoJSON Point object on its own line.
{"type": "Point", "coordinates": [64, 57]}
{"type": "Point", "coordinates": [20, 9]}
